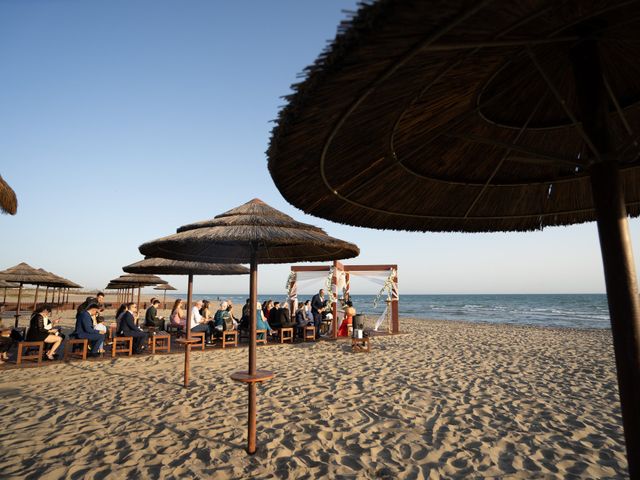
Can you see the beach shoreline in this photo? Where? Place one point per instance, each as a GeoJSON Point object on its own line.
{"type": "Point", "coordinates": [445, 399]}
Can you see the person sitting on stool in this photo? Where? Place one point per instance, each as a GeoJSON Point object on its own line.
{"type": "Point", "coordinates": [127, 327]}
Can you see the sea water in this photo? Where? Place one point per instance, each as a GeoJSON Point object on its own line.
{"type": "Point", "coordinates": [547, 310]}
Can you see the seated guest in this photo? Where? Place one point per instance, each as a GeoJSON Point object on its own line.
{"type": "Point", "coordinates": [266, 308]}
{"type": "Point", "coordinates": [205, 311]}
{"type": "Point", "coordinates": [349, 313]}
{"type": "Point", "coordinates": [178, 317]}
{"type": "Point", "coordinates": [6, 342]}
{"type": "Point", "coordinates": [301, 319]}
{"type": "Point", "coordinates": [151, 318]}
{"type": "Point", "coordinates": [228, 320]}
{"type": "Point", "coordinates": [261, 323]}
{"type": "Point", "coordinates": [246, 313]}
{"type": "Point", "coordinates": [127, 327]}
{"type": "Point", "coordinates": [307, 311]}
{"type": "Point", "coordinates": [218, 319]}
{"type": "Point", "coordinates": [273, 313]}
{"type": "Point", "coordinates": [198, 323]}
{"type": "Point", "coordinates": [85, 329]}
{"type": "Point", "coordinates": [39, 333]}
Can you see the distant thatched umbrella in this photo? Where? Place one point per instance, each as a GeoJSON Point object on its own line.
{"type": "Point", "coordinates": [8, 200]}
{"type": "Point", "coordinates": [164, 295]}
{"type": "Point", "coordinates": [179, 267]}
{"type": "Point", "coordinates": [478, 117]}
{"type": "Point", "coordinates": [7, 285]}
{"type": "Point", "coordinates": [23, 274]}
{"type": "Point", "coordinates": [138, 281]}
{"type": "Point", "coordinates": [251, 233]}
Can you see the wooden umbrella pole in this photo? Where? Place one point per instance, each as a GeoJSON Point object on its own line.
{"type": "Point", "coordinates": [46, 294]}
{"type": "Point", "coordinates": [4, 300]}
{"type": "Point", "coordinates": [253, 298]}
{"type": "Point", "coordinates": [187, 327]}
{"type": "Point", "coordinates": [164, 300]}
{"type": "Point", "coordinates": [35, 297]}
{"type": "Point", "coordinates": [615, 243]}
{"type": "Point", "coordinates": [18, 305]}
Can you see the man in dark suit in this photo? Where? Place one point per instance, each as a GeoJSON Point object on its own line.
{"type": "Point", "coordinates": [318, 305]}
{"type": "Point", "coordinates": [84, 328]}
{"type": "Point", "coordinates": [128, 328]}
{"type": "Point", "coordinates": [151, 318]}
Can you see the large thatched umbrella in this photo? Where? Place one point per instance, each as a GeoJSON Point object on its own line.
{"type": "Point", "coordinates": [251, 233]}
{"type": "Point", "coordinates": [164, 289]}
{"type": "Point", "coordinates": [8, 200]}
{"type": "Point", "coordinates": [179, 267]}
{"type": "Point", "coordinates": [474, 117]}
{"type": "Point", "coordinates": [23, 274]}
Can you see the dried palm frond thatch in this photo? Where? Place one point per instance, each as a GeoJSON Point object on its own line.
{"type": "Point", "coordinates": [178, 267]}
{"type": "Point", "coordinates": [231, 237]}
{"type": "Point", "coordinates": [459, 116]}
{"type": "Point", "coordinates": [8, 199]}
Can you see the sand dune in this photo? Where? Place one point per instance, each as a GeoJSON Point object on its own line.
{"type": "Point", "coordinates": [449, 400]}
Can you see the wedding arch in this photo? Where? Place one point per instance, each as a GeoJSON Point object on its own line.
{"type": "Point", "coordinates": [338, 277]}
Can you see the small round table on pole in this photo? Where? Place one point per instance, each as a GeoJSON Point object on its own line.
{"type": "Point", "coordinates": [251, 381]}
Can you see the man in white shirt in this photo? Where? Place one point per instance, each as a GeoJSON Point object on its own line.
{"type": "Point", "coordinates": [198, 323]}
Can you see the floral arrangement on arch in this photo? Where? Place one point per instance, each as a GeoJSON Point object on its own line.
{"type": "Point", "coordinates": [387, 287]}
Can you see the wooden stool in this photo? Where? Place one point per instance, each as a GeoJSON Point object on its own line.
{"type": "Point", "coordinates": [309, 333]}
{"type": "Point", "coordinates": [195, 336]}
{"type": "Point", "coordinates": [160, 343]}
{"type": "Point", "coordinates": [69, 347]}
{"type": "Point", "coordinates": [127, 348]}
{"type": "Point", "coordinates": [360, 345]}
{"type": "Point", "coordinates": [262, 340]}
{"type": "Point", "coordinates": [286, 334]}
{"type": "Point", "coordinates": [27, 346]}
{"type": "Point", "coordinates": [176, 330]}
{"type": "Point", "coordinates": [230, 338]}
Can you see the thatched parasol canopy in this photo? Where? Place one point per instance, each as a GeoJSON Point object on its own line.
{"type": "Point", "coordinates": [480, 116]}
{"type": "Point", "coordinates": [448, 116]}
{"type": "Point", "coordinates": [137, 280]}
{"type": "Point", "coordinates": [25, 274]}
{"type": "Point", "coordinates": [5, 284]}
{"type": "Point", "coordinates": [237, 235]}
{"type": "Point", "coordinates": [178, 267]}
{"type": "Point", "coordinates": [8, 200]}
{"type": "Point", "coordinates": [165, 287]}
{"type": "Point", "coordinates": [251, 233]}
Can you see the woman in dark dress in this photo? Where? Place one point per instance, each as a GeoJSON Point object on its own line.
{"type": "Point", "coordinates": [41, 330]}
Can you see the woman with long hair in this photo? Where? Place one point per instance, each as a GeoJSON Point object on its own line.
{"type": "Point", "coordinates": [38, 331]}
{"type": "Point", "coordinates": [178, 316]}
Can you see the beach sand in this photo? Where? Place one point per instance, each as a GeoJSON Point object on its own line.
{"type": "Point", "coordinates": [445, 400]}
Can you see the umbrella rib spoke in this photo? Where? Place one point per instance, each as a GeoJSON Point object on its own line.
{"type": "Point", "coordinates": [563, 103]}
{"type": "Point", "coordinates": [614, 100]}
{"type": "Point", "coordinates": [504, 157]}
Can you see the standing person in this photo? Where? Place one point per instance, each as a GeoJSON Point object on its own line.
{"type": "Point", "coordinates": [198, 324]}
{"type": "Point", "coordinates": [127, 327]}
{"type": "Point", "coordinates": [318, 304]}
{"type": "Point", "coordinates": [39, 333]}
{"type": "Point", "coordinates": [151, 318]}
{"type": "Point", "coordinates": [85, 329]}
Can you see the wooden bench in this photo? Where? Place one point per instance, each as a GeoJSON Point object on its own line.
{"type": "Point", "coordinates": [127, 348]}
{"type": "Point", "coordinates": [200, 344]}
{"type": "Point", "coordinates": [262, 340]}
{"type": "Point", "coordinates": [70, 348]}
{"type": "Point", "coordinates": [309, 333]}
{"type": "Point", "coordinates": [24, 352]}
{"type": "Point", "coordinates": [286, 334]}
{"type": "Point", "coordinates": [230, 337]}
{"type": "Point", "coordinates": [160, 343]}
{"type": "Point", "coordinates": [175, 330]}
{"type": "Point", "coordinates": [360, 345]}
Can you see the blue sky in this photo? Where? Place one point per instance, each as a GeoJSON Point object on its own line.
{"type": "Point", "coordinates": [125, 119]}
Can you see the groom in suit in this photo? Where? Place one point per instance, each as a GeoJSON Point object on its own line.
{"type": "Point", "coordinates": [318, 304]}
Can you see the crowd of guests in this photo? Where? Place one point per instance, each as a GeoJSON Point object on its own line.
{"type": "Point", "coordinates": [270, 316]}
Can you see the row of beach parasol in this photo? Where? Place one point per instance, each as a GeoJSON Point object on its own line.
{"type": "Point", "coordinates": [24, 274]}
